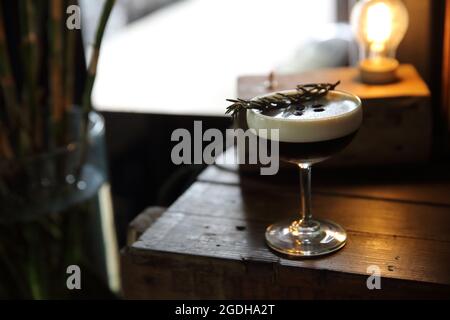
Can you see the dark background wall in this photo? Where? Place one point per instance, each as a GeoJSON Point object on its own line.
{"type": "Point", "coordinates": [141, 171]}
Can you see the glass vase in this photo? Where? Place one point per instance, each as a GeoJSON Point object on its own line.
{"type": "Point", "coordinates": [57, 235]}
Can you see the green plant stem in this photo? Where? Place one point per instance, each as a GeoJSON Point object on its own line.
{"type": "Point", "coordinates": [91, 73]}
{"type": "Point", "coordinates": [36, 280]}
{"type": "Point", "coordinates": [92, 69]}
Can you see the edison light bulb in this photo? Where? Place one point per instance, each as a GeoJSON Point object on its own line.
{"type": "Point", "coordinates": [379, 27]}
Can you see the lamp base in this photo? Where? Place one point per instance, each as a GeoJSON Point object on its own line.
{"type": "Point", "coordinates": [378, 70]}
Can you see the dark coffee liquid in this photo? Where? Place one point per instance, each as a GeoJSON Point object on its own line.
{"type": "Point", "coordinates": [311, 152]}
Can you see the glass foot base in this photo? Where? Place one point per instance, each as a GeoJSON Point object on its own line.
{"type": "Point", "coordinates": [318, 238]}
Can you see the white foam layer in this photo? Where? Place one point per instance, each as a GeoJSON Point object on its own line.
{"type": "Point", "coordinates": [341, 115]}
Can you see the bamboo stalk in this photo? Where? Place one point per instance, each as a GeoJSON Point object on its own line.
{"type": "Point", "coordinates": [5, 146]}
{"type": "Point", "coordinates": [7, 81]}
{"type": "Point", "coordinates": [70, 66]}
{"type": "Point", "coordinates": [35, 48]}
{"type": "Point", "coordinates": [32, 40]}
{"type": "Point", "coordinates": [56, 61]}
{"type": "Point", "coordinates": [30, 58]}
{"type": "Point", "coordinates": [14, 139]}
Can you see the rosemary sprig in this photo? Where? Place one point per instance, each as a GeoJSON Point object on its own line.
{"type": "Point", "coordinates": [305, 93]}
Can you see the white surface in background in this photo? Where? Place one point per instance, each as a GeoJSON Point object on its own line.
{"type": "Point", "coordinates": [185, 59]}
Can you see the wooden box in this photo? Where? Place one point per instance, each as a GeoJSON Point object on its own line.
{"type": "Point", "coordinates": [397, 121]}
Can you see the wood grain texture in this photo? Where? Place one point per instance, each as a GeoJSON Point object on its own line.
{"type": "Point", "coordinates": [399, 257]}
{"type": "Point", "coordinates": [210, 242]}
{"type": "Point", "coordinates": [427, 185]}
{"type": "Point", "coordinates": [165, 275]}
{"type": "Point", "coordinates": [411, 84]}
{"type": "Point", "coordinates": [259, 203]}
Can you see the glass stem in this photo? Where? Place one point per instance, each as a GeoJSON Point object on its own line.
{"type": "Point", "coordinates": [305, 195]}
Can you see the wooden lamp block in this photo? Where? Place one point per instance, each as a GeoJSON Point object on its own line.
{"type": "Point", "coordinates": [397, 119]}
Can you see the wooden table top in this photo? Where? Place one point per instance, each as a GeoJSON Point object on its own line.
{"type": "Point", "coordinates": [210, 242]}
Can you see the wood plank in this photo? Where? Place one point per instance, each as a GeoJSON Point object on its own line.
{"type": "Point", "coordinates": [411, 85]}
{"type": "Point", "coordinates": [241, 240]}
{"type": "Point", "coordinates": [432, 193]}
{"type": "Point", "coordinates": [165, 275]}
{"type": "Point", "coordinates": [420, 189]}
{"type": "Point", "coordinates": [228, 174]}
{"type": "Point", "coordinates": [263, 203]}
